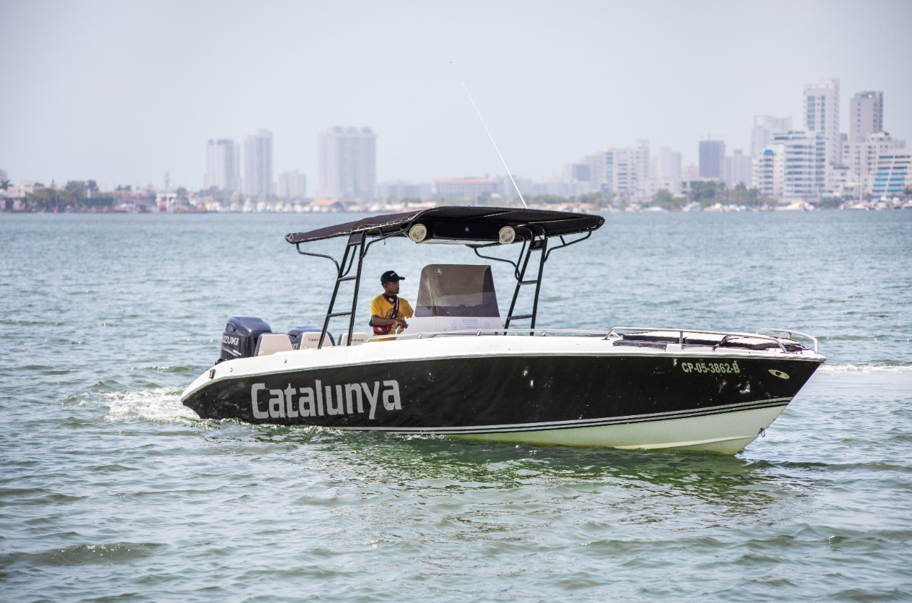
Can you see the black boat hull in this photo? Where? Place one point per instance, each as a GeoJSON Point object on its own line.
{"type": "Point", "coordinates": [548, 399]}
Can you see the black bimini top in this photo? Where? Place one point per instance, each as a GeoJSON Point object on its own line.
{"type": "Point", "coordinates": [461, 225]}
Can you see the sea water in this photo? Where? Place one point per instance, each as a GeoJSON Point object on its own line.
{"type": "Point", "coordinates": [111, 490]}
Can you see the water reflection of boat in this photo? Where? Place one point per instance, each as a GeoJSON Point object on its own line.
{"type": "Point", "coordinates": [462, 371]}
{"type": "Point", "coordinates": [422, 462]}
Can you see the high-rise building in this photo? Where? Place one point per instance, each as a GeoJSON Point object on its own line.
{"type": "Point", "coordinates": [602, 166]}
{"type": "Point", "coordinates": [893, 173]}
{"type": "Point", "coordinates": [258, 164]}
{"type": "Point", "coordinates": [624, 171]}
{"type": "Point", "coordinates": [860, 156]}
{"type": "Point", "coordinates": [223, 165]}
{"type": "Point", "coordinates": [821, 115]}
{"type": "Point", "coordinates": [867, 142]}
{"type": "Point", "coordinates": [666, 170]}
{"type": "Point", "coordinates": [792, 167]}
{"type": "Point", "coordinates": [593, 162]}
{"type": "Point", "coordinates": [712, 154]}
{"type": "Point", "coordinates": [347, 163]}
{"type": "Point", "coordinates": [766, 172]}
{"type": "Point", "coordinates": [291, 185]}
{"type": "Point", "coordinates": [578, 178]}
{"type": "Point", "coordinates": [736, 169]}
{"type": "Point", "coordinates": [764, 128]}
{"type": "Point", "coordinates": [866, 115]}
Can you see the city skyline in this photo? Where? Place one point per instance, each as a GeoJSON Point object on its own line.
{"type": "Point", "coordinates": [795, 164]}
{"type": "Point", "coordinates": [788, 164]}
{"type": "Point", "coordinates": [553, 82]}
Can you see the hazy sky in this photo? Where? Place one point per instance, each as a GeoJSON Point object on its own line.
{"type": "Point", "coordinates": [120, 91]}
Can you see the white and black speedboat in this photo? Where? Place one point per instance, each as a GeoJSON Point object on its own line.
{"type": "Point", "coordinates": [460, 370]}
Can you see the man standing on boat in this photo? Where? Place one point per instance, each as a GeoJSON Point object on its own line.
{"type": "Point", "coordinates": [388, 310]}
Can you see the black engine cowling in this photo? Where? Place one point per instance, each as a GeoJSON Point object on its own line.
{"type": "Point", "coordinates": [239, 340]}
{"type": "Point", "coordinates": [296, 333]}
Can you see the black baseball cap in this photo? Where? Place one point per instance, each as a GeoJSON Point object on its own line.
{"type": "Point", "coordinates": [390, 276]}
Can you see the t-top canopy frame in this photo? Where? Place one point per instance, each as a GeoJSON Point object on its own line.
{"type": "Point", "coordinates": [475, 227]}
{"type": "Point", "coordinates": [461, 225]}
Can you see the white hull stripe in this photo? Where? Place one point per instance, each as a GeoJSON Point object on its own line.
{"type": "Point", "coordinates": [518, 427]}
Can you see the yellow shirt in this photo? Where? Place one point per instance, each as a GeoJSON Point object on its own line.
{"type": "Point", "coordinates": [382, 307]}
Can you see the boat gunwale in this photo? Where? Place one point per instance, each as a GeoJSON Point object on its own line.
{"type": "Point", "coordinates": [303, 355]}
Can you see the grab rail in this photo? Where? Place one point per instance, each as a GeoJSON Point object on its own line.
{"type": "Point", "coordinates": [791, 333]}
{"type": "Point", "coordinates": [615, 333]}
{"type": "Point", "coordinates": [726, 335]}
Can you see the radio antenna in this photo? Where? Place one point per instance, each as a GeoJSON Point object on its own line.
{"type": "Point", "coordinates": [491, 138]}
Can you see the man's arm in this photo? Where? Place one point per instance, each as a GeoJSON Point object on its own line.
{"type": "Point", "coordinates": [379, 321]}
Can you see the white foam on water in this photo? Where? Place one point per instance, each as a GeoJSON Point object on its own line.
{"type": "Point", "coordinates": [159, 404]}
{"type": "Point", "coordinates": [865, 368]}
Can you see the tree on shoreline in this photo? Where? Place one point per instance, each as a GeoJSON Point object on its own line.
{"type": "Point", "coordinates": [710, 192]}
{"type": "Point", "coordinates": [666, 200]}
{"type": "Point", "coordinates": [71, 196]}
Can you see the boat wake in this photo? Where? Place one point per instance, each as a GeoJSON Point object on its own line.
{"type": "Point", "coordinates": [866, 368]}
{"type": "Point", "coordinates": [161, 405]}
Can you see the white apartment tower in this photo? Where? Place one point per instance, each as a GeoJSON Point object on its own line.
{"type": "Point", "coordinates": [666, 170]}
{"type": "Point", "coordinates": [625, 171]}
{"type": "Point", "coordinates": [292, 185]}
{"type": "Point", "coordinates": [861, 156]}
{"type": "Point", "coordinates": [347, 163]}
{"type": "Point", "coordinates": [821, 115]}
{"type": "Point", "coordinates": [736, 169]}
{"type": "Point", "coordinates": [640, 158]}
{"type": "Point", "coordinates": [893, 174]}
{"type": "Point", "coordinates": [866, 115]}
{"type": "Point", "coordinates": [792, 167]}
{"type": "Point", "coordinates": [258, 164]}
{"type": "Point", "coordinates": [766, 173]}
{"type": "Point", "coordinates": [764, 128]}
{"type": "Point", "coordinates": [223, 165]}
{"type": "Point", "coordinates": [867, 141]}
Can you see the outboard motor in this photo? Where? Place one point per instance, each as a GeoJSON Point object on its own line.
{"type": "Point", "coordinates": [239, 339]}
{"type": "Point", "coordinates": [295, 335]}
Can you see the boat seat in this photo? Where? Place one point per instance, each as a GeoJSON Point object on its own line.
{"type": "Point", "coordinates": [357, 339]}
{"type": "Point", "coordinates": [270, 343]}
{"type": "Point", "coordinates": [311, 340]}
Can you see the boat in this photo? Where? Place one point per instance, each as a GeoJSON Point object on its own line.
{"type": "Point", "coordinates": [462, 370]}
